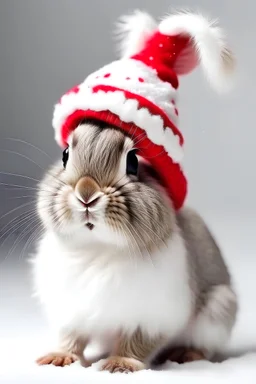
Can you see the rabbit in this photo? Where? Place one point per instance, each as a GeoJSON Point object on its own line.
{"type": "Point", "coordinates": [119, 265]}
{"type": "Point", "coordinates": [123, 262]}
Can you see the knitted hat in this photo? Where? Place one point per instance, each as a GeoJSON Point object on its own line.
{"type": "Point", "coordinates": [138, 93]}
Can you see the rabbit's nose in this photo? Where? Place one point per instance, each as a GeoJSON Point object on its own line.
{"type": "Point", "coordinates": [88, 191]}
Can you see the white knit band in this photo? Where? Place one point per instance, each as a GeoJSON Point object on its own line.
{"type": "Point", "coordinates": [128, 110]}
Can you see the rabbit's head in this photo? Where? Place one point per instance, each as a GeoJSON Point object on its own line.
{"type": "Point", "coordinates": [103, 192]}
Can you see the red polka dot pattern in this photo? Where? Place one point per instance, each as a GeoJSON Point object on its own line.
{"type": "Point", "coordinates": [160, 53]}
{"type": "Point", "coordinates": [75, 89]}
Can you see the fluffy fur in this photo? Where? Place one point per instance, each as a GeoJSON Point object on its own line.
{"type": "Point", "coordinates": [208, 45]}
{"type": "Point", "coordinates": [143, 277]}
{"type": "Point", "coordinates": [132, 31]}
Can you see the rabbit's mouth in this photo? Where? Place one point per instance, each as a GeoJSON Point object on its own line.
{"type": "Point", "coordinates": [90, 226]}
{"type": "Point", "coordinates": [89, 216]}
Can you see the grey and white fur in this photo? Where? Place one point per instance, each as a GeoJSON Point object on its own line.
{"type": "Point", "coordinates": [117, 264]}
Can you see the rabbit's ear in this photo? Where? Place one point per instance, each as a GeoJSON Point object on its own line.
{"type": "Point", "coordinates": [206, 47]}
{"type": "Point", "coordinates": [132, 31]}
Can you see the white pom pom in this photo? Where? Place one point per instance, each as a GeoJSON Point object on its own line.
{"type": "Point", "coordinates": [132, 31]}
{"type": "Point", "coordinates": [208, 47]}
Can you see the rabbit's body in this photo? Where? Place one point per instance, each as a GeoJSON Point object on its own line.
{"type": "Point", "coordinates": [103, 289]}
{"type": "Point", "coordinates": [128, 262]}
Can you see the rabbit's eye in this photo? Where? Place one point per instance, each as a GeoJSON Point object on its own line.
{"type": "Point", "coordinates": [132, 163]}
{"type": "Point", "coordinates": [65, 157]}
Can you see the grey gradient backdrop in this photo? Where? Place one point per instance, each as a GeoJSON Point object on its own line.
{"type": "Point", "coordinates": [47, 46]}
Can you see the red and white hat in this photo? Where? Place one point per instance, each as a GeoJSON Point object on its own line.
{"type": "Point", "coordinates": [138, 93]}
